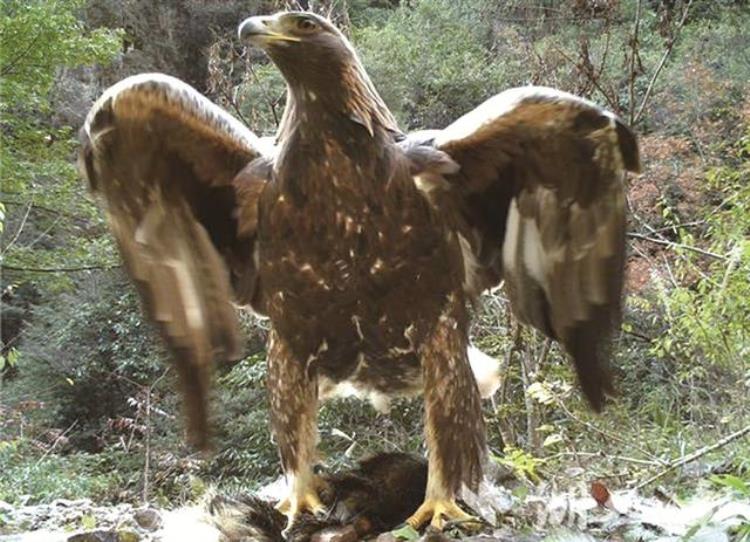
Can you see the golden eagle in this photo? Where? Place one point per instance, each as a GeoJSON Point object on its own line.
{"type": "Point", "coordinates": [362, 244]}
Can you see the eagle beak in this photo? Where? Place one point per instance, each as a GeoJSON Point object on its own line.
{"type": "Point", "coordinates": [260, 31]}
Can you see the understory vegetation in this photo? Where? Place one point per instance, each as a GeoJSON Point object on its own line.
{"type": "Point", "coordinates": [88, 405]}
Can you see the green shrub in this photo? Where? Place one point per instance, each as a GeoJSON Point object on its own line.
{"type": "Point", "coordinates": [86, 356]}
{"type": "Point", "coordinates": [26, 475]}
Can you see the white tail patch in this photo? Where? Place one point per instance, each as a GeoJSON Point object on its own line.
{"type": "Point", "coordinates": [486, 371]}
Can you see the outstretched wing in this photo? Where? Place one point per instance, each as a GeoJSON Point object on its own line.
{"type": "Point", "coordinates": [180, 181]}
{"type": "Point", "coordinates": [538, 201]}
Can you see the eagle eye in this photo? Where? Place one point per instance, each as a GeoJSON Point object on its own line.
{"type": "Point", "coordinates": [306, 25]}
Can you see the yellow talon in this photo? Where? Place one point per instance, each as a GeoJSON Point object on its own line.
{"type": "Point", "coordinates": [309, 502]}
{"type": "Point", "coordinates": [302, 500]}
{"type": "Point", "coordinates": [440, 510]}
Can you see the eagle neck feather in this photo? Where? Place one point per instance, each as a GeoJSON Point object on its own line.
{"type": "Point", "coordinates": [349, 94]}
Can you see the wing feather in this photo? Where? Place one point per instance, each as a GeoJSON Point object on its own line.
{"type": "Point", "coordinates": [165, 162]}
{"type": "Point", "coordinates": [541, 193]}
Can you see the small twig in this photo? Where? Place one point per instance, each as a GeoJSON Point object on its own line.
{"type": "Point", "coordinates": [662, 62]}
{"type": "Point", "coordinates": [603, 62]}
{"type": "Point", "coordinates": [45, 232]}
{"type": "Point", "coordinates": [680, 225]}
{"type": "Point", "coordinates": [605, 434]}
{"type": "Point", "coordinates": [633, 53]}
{"type": "Point", "coordinates": [695, 455]}
{"type": "Point", "coordinates": [266, 95]}
{"type": "Point", "coordinates": [43, 208]}
{"type": "Point", "coordinates": [672, 244]}
{"type": "Point", "coordinates": [668, 267]}
{"type": "Point", "coordinates": [10, 67]}
{"type": "Point", "coordinates": [637, 335]}
{"type": "Point", "coordinates": [52, 446]}
{"type": "Point", "coordinates": [233, 103]}
{"type": "Point", "coordinates": [18, 231]}
{"type": "Point", "coordinates": [608, 456]}
{"type": "Point", "coordinates": [663, 495]}
{"type": "Point", "coordinates": [594, 80]}
{"type": "Point", "coordinates": [506, 429]}
{"type": "Point", "coordinates": [661, 238]}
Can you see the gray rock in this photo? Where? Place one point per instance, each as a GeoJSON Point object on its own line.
{"type": "Point", "coordinates": [68, 503]}
{"type": "Point", "coordinates": [105, 536]}
{"type": "Point", "coordinates": [148, 518]}
{"type": "Point", "coordinates": [95, 536]}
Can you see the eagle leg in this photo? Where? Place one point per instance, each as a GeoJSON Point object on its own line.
{"type": "Point", "coordinates": [454, 428]}
{"type": "Point", "coordinates": [293, 392]}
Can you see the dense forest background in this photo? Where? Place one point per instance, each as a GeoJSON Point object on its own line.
{"type": "Point", "coordinates": [87, 404]}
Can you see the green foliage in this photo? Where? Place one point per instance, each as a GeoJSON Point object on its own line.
{"type": "Point", "coordinates": [25, 473]}
{"type": "Point", "coordinates": [407, 532]}
{"type": "Point", "coordinates": [246, 453]}
{"type": "Point", "coordinates": [415, 60]}
{"type": "Point", "coordinates": [741, 488]}
{"type": "Point", "coordinates": [735, 483]}
{"type": "Point", "coordinates": [86, 355]}
{"type": "Point", "coordinates": [262, 99]}
{"type": "Point", "coordinates": [703, 81]}
{"type": "Point", "coordinates": [9, 359]}
{"type": "Point", "coordinates": [39, 38]}
{"type": "Point", "coordinates": [709, 313]}
{"type": "Point", "coordinates": [524, 465]}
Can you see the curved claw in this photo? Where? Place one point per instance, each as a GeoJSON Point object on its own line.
{"type": "Point", "coordinates": [301, 500]}
{"type": "Point", "coordinates": [437, 511]}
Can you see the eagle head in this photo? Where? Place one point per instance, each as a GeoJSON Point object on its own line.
{"type": "Point", "coordinates": [307, 48]}
{"type": "Point", "coordinates": [319, 64]}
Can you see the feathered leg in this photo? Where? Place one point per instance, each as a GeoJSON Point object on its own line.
{"type": "Point", "coordinates": [293, 393]}
{"type": "Point", "coordinates": [454, 427]}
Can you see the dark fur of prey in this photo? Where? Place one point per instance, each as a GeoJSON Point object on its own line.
{"type": "Point", "coordinates": [379, 494]}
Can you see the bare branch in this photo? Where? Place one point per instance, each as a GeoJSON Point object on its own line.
{"type": "Point", "coordinates": [608, 435]}
{"type": "Point", "coordinates": [104, 267]}
{"type": "Point", "coordinates": [672, 244]}
{"type": "Point", "coordinates": [695, 455]}
{"type": "Point", "coordinates": [55, 443]}
{"type": "Point", "coordinates": [18, 231]}
{"type": "Point", "coordinates": [38, 207]}
{"type": "Point", "coordinates": [594, 80]}
{"type": "Point", "coordinates": [662, 62]}
{"type": "Point", "coordinates": [633, 53]}
{"type": "Point", "coordinates": [10, 67]}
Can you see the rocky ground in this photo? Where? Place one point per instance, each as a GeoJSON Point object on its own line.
{"type": "Point", "coordinates": [537, 517]}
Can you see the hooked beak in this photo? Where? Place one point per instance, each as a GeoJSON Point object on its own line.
{"type": "Point", "coordinates": [261, 31]}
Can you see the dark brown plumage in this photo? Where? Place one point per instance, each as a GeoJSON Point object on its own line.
{"type": "Point", "coordinates": [363, 245]}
